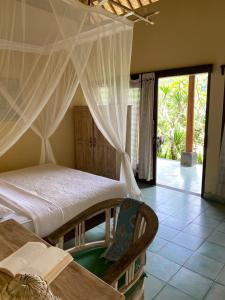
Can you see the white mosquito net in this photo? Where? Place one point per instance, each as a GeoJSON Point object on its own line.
{"type": "Point", "coordinates": [47, 47]}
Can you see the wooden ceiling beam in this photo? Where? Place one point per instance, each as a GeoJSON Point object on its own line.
{"type": "Point", "coordinates": [113, 8]}
{"type": "Point", "coordinates": [125, 3]}
{"type": "Point", "coordinates": [130, 4]}
{"type": "Point", "coordinates": [139, 2]}
{"type": "Point", "coordinates": [107, 7]}
{"type": "Point", "coordinates": [120, 8]}
{"type": "Point", "coordinates": [126, 9]}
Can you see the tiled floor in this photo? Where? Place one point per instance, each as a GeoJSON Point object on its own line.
{"type": "Point", "coordinates": [186, 261]}
{"type": "Point", "coordinates": [187, 258]}
{"type": "Point", "coordinates": [171, 173]}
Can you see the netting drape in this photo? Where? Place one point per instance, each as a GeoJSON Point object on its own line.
{"type": "Point", "coordinates": [54, 111]}
{"type": "Point", "coordinates": [105, 83]}
{"type": "Point", "coordinates": [46, 48]}
{"type": "Point", "coordinates": [33, 60]}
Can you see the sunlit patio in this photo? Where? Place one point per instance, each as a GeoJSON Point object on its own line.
{"type": "Point", "coordinates": [172, 174]}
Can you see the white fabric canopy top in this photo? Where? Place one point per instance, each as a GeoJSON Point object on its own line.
{"type": "Point", "coordinates": [47, 47]}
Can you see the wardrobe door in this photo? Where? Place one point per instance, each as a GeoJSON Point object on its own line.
{"type": "Point", "coordinates": [84, 159]}
{"type": "Point", "coordinates": [105, 157]}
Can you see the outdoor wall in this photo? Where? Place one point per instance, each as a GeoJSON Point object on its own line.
{"type": "Point", "coordinates": [187, 33]}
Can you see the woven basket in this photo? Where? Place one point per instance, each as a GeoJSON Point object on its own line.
{"type": "Point", "coordinates": [24, 287]}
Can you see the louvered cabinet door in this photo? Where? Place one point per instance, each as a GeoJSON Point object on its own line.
{"type": "Point", "coordinates": [107, 160]}
{"type": "Point", "coordinates": [105, 157]}
{"type": "Point", "coordinates": [84, 154]}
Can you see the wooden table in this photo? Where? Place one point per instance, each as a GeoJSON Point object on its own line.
{"type": "Point", "coordinates": [74, 283]}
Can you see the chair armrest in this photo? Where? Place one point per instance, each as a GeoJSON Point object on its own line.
{"type": "Point", "coordinates": [54, 237]}
{"type": "Point", "coordinates": [92, 211]}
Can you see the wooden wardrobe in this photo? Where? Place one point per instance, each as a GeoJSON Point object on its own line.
{"type": "Point", "coordinates": [93, 153]}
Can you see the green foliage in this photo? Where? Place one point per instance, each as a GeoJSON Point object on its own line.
{"type": "Point", "coordinates": [172, 115]}
{"type": "Point", "coordinates": [200, 157]}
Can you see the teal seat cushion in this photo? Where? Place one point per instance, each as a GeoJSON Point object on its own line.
{"type": "Point", "coordinates": [93, 261]}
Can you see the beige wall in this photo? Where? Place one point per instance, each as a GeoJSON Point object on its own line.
{"type": "Point", "coordinates": [26, 152]}
{"type": "Point", "coordinates": [186, 33]}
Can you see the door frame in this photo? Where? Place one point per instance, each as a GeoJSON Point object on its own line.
{"type": "Point", "coordinates": [179, 72]}
{"type": "Point", "coordinates": [223, 117]}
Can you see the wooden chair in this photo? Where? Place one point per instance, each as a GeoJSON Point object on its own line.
{"type": "Point", "coordinates": [125, 273]}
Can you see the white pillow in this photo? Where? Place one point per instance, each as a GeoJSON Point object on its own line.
{"type": "Point", "coordinates": [5, 211]}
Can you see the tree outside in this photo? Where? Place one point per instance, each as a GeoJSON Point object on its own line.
{"type": "Point", "coordinates": [172, 115]}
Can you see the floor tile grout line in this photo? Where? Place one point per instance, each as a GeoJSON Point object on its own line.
{"type": "Point", "coordinates": [208, 212]}
{"type": "Point", "coordinates": [167, 281]}
{"type": "Point", "coordinates": [213, 284]}
{"type": "Point", "coordinates": [181, 265]}
{"type": "Point", "coordinates": [187, 292]}
{"type": "Point", "coordinates": [167, 284]}
{"type": "Point", "coordinates": [189, 248]}
{"type": "Point", "coordinates": [219, 276]}
{"type": "Point", "coordinates": [186, 267]}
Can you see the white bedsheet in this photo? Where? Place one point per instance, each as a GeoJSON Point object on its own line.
{"type": "Point", "coordinates": [51, 195]}
{"type": "Point", "coordinates": [20, 218]}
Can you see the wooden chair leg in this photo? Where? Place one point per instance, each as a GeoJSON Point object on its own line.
{"type": "Point", "coordinates": [139, 291]}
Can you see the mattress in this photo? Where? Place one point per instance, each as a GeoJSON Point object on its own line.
{"type": "Point", "coordinates": [47, 196]}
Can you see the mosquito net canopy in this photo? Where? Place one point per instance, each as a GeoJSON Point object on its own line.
{"type": "Point", "coordinates": [48, 47]}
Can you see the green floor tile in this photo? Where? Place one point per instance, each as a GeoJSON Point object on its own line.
{"type": "Point", "coordinates": [175, 253]}
{"type": "Point", "coordinates": [160, 267]}
{"type": "Point", "coordinates": [213, 251]}
{"type": "Point", "coordinates": [191, 283]}
{"type": "Point", "coordinates": [188, 241]}
{"type": "Point", "coordinates": [204, 265]}
{"type": "Point", "coordinates": [221, 277]}
{"type": "Point", "coordinates": [217, 292]}
{"type": "Point", "coordinates": [152, 287]}
{"type": "Point", "coordinates": [171, 293]}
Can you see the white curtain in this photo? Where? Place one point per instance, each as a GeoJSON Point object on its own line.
{"type": "Point", "coordinates": [134, 101]}
{"type": "Point", "coordinates": [54, 111]}
{"type": "Point", "coordinates": [221, 177]}
{"type": "Point", "coordinates": [46, 48]}
{"type": "Point", "coordinates": [105, 83]}
{"type": "Point", "coordinates": [145, 167]}
{"type": "Point", "coordinates": [33, 61]}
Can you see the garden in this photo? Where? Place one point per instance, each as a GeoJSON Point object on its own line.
{"type": "Point", "coordinates": [172, 116]}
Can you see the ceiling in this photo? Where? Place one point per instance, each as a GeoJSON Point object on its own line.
{"type": "Point", "coordinates": [136, 6]}
{"type": "Point", "coordinates": [130, 4]}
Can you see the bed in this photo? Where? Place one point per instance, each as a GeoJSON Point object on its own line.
{"type": "Point", "coordinates": [45, 197]}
